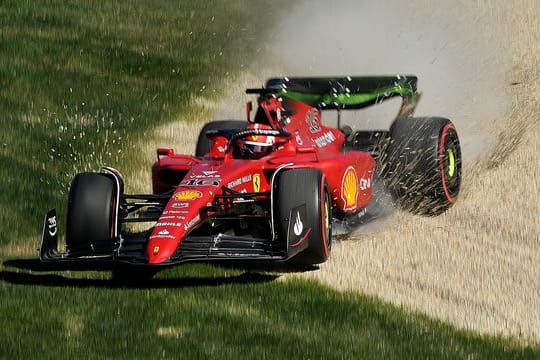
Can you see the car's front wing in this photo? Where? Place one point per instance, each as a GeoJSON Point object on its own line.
{"type": "Point", "coordinates": [131, 248]}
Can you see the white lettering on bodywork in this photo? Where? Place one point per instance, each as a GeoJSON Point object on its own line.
{"type": "Point", "coordinates": [52, 225]}
{"type": "Point", "coordinates": [325, 139]}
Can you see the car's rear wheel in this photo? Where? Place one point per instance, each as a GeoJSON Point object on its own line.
{"type": "Point", "coordinates": [306, 189]}
{"type": "Point", "coordinates": [204, 144]}
{"type": "Point", "coordinates": [91, 211]}
{"type": "Point", "coordinates": [422, 164]}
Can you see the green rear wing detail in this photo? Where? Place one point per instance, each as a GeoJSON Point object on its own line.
{"type": "Point", "coordinates": [345, 93]}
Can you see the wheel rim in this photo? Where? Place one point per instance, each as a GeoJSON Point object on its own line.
{"type": "Point", "coordinates": [451, 166]}
{"type": "Point", "coordinates": [327, 220]}
{"type": "Point", "coordinates": [450, 162]}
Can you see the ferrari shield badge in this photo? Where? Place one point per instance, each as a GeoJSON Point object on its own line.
{"type": "Point", "coordinates": [256, 183]}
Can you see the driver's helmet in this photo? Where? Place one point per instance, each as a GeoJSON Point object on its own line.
{"type": "Point", "coordinates": [257, 146]}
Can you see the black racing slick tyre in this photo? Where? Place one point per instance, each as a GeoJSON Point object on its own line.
{"type": "Point", "coordinates": [204, 144]}
{"type": "Point", "coordinates": [91, 211]}
{"type": "Point", "coordinates": [305, 189]}
{"type": "Point", "coordinates": [422, 164]}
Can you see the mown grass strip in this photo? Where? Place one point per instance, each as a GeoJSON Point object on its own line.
{"type": "Point", "coordinates": [202, 311]}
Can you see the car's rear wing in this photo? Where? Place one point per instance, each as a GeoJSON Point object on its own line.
{"type": "Point", "coordinates": [343, 93]}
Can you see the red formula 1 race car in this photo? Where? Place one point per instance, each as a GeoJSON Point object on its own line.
{"type": "Point", "coordinates": [269, 188]}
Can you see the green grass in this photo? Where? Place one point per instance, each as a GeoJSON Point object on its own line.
{"type": "Point", "coordinates": [201, 311]}
{"type": "Point", "coordinates": [84, 83]}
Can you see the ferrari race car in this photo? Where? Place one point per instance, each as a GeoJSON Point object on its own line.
{"type": "Point", "coordinates": [267, 188]}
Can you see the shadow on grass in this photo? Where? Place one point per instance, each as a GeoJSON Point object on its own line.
{"type": "Point", "coordinates": [144, 282]}
{"type": "Point", "coordinates": [277, 267]}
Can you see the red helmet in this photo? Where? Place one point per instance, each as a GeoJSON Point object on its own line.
{"type": "Point", "coordinates": [257, 146]}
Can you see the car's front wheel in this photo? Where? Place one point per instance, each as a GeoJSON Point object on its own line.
{"type": "Point", "coordinates": [303, 212]}
{"type": "Point", "coordinates": [91, 211]}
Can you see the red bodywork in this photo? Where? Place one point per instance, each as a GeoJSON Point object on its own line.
{"type": "Point", "coordinates": [196, 181]}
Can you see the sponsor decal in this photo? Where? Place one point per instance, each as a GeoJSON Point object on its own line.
{"type": "Point", "coordinates": [201, 182]}
{"type": "Point", "coordinates": [167, 217]}
{"type": "Point", "coordinates": [162, 237]}
{"type": "Point", "coordinates": [170, 217]}
{"type": "Point", "coordinates": [362, 213]}
{"type": "Point", "coordinates": [240, 181]}
{"type": "Point", "coordinates": [298, 225]}
{"type": "Point", "coordinates": [325, 139]}
{"type": "Point", "coordinates": [256, 183]}
{"type": "Point", "coordinates": [52, 226]}
{"type": "Point", "coordinates": [297, 233]}
{"type": "Point", "coordinates": [164, 223]}
{"type": "Point", "coordinates": [298, 138]}
{"type": "Point", "coordinates": [205, 175]}
{"type": "Point", "coordinates": [180, 205]}
{"type": "Point", "coordinates": [192, 222]}
{"type": "Point", "coordinates": [312, 119]}
{"type": "Point", "coordinates": [164, 232]}
{"type": "Point", "coordinates": [167, 212]}
{"type": "Point", "coordinates": [188, 195]}
{"type": "Point", "coordinates": [156, 250]}
{"type": "Point", "coordinates": [349, 188]}
{"type": "Point", "coordinates": [364, 184]}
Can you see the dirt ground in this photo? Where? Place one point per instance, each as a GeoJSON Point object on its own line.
{"type": "Point", "coordinates": [478, 265]}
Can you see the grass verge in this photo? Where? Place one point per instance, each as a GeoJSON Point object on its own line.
{"type": "Point", "coordinates": [202, 311]}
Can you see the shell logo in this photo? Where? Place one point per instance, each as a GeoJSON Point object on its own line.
{"type": "Point", "coordinates": [349, 188]}
{"type": "Point", "coordinates": [188, 195]}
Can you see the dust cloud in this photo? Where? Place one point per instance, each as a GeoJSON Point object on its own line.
{"type": "Point", "coordinates": [451, 46]}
